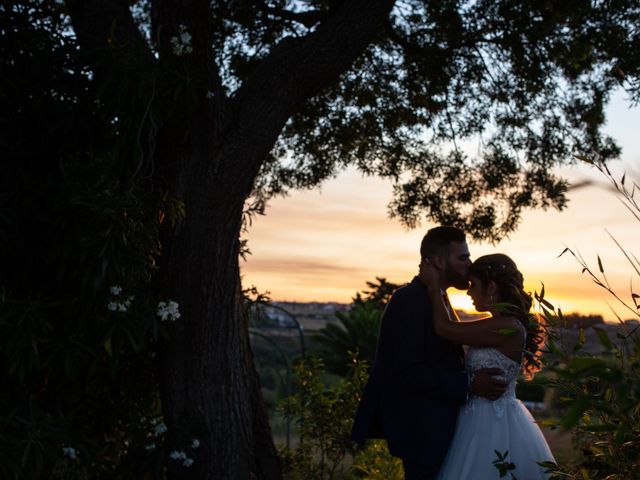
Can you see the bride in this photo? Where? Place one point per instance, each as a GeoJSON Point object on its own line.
{"type": "Point", "coordinates": [510, 340]}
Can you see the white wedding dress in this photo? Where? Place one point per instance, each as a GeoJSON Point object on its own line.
{"type": "Point", "coordinates": [504, 425]}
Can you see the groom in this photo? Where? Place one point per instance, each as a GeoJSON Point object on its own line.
{"type": "Point", "coordinates": [417, 381]}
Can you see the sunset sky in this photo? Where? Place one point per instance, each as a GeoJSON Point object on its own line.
{"type": "Point", "coordinates": [324, 244]}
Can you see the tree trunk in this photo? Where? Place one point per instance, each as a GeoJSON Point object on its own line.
{"type": "Point", "coordinates": [209, 382]}
{"type": "Point", "coordinates": [210, 389]}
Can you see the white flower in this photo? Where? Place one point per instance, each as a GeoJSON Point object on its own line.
{"type": "Point", "coordinates": [182, 43]}
{"type": "Point", "coordinates": [150, 447]}
{"type": "Point", "coordinates": [185, 37]}
{"type": "Point", "coordinates": [70, 452]}
{"type": "Point", "coordinates": [210, 94]}
{"type": "Point", "coordinates": [121, 306]}
{"type": "Point", "coordinates": [187, 462]}
{"type": "Point", "coordinates": [168, 311]}
{"type": "Point", "coordinates": [195, 443]}
{"type": "Point", "coordinates": [159, 429]}
{"type": "Point", "coordinates": [115, 290]}
{"type": "Point", "coordinates": [176, 455]}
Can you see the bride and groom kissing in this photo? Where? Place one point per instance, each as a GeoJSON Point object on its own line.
{"type": "Point", "coordinates": [443, 412]}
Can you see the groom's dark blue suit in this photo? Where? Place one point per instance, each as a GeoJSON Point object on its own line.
{"type": "Point", "coordinates": [416, 385]}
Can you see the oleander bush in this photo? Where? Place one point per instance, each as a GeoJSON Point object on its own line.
{"type": "Point", "coordinates": [79, 242]}
{"type": "Point", "coordinates": [77, 350]}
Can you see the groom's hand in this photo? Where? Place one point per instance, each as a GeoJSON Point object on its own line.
{"type": "Point", "coordinates": [485, 384]}
{"type": "Point", "coordinates": [428, 273]}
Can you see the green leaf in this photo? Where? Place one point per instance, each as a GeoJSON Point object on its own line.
{"type": "Point", "coordinates": [107, 347]}
{"type": "Point", "coordinates": [581, 339]}
{"type": "Point", "coordinates": [600, 428]}
{"type": "Point", "coordinates": [26, 453]}
{"type": "Point", "coordinates": [508, 331]}
{"type": "Point", "coordinates": [549, 422]}
{"type": "Point", "coordinates": [574, 413]}
{"type": "Point", "coordinates": [553, 347]}
{"type": "Point", "coordinates": [604, 338]}
{"type": "Point", "coordinates": [582, 363]}
{"type": "Point", "coordinates": [621, 433]}
{"type": "Point", "coordinates": [547, 304]}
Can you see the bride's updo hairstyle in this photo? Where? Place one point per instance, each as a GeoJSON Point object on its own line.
{"type": "Point", "coordinates": [515, 301]}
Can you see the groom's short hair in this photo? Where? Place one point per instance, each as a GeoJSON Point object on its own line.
{"type": "Point", "coordinates": [439, 238]}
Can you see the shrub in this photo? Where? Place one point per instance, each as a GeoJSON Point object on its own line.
{"type": "Point", "coordinates": [356, 332]}
{"type": "Point", "coordinates": [324, 416]}
{"type": "Point", "coordinates": [601, 394]}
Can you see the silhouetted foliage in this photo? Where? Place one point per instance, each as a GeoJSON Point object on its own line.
{"type": "Point", "coordinates": [378, 294]}
{"type": "Point", "coordinates": [577, 320]}
{"type": "Point", "coordinates": [356, 332]}
{"type": "Point", "coordinates": [601, 393]}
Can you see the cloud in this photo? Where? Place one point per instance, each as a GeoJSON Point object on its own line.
{"type": "Point", "coordinates": [297, 267]}
{"type": "Point", "coordinates": [325, 245]}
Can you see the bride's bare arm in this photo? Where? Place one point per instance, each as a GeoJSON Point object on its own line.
{"type": "Point", "coordinates": [493, 332]}
{"type": "Point", "coordinates": [481, 333]}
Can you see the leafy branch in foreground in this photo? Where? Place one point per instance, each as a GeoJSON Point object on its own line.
{"type": "Point", "coordinates": [626, 196]}
{"type": "Point", "coordinates": [600, 393]}
{"type": "Point", "coordinates": [324, 415]}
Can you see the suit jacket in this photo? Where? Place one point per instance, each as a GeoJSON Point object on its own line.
{"type": "Point", "coordinates": [416, 384]}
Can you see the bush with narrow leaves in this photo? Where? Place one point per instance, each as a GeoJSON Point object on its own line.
{"type": "Point", "coordinates": [600, 394]}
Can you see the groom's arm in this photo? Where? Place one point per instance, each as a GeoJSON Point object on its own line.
{"type": "Point", "coordinates": [406, 316]}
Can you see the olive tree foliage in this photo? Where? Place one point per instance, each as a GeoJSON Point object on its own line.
{"type": "Point", "coordinates": [525, 82]}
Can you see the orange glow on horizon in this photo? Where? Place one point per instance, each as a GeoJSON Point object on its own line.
{"type": "Point", "coordinates": [324, 245]}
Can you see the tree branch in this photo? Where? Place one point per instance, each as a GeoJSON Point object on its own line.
{"type": "Point", "coordinates": [308, 18]}
{"type": "Point", "coordinates": [295, 70]}
{"type": "Point", "coordinates": [104, 24]}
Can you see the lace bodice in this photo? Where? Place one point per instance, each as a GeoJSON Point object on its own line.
{"type": "Point", "coordinates": [485, 427]}
{"type": "Point", "coordinates": [478, 358]}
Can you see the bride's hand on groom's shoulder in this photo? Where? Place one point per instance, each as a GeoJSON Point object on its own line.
{"type": "Point", "coordinates": [428, 273]}
{"type": "Point", "coordinates": [485, 384]}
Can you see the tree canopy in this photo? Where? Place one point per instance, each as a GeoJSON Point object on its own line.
{"type": "Point", "coordinates": [526, 83]}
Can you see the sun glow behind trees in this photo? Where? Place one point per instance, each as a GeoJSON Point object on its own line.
{"type": "Point", "coordinates": [323, 245]}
